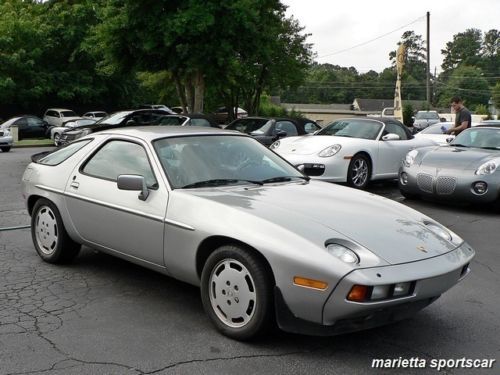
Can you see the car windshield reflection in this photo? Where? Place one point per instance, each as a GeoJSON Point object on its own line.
{"type": "Point", "coordinates": [486, 138]}
{"type": "Point", "coordinates": [352, 129]}
{"type": "Point", "coordinates": [195, 162]}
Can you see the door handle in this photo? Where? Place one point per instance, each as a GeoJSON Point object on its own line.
{"type": "Point", "coordinates": [74, 185]}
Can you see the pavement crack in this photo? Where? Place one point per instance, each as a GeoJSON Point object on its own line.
{"type": "Point", "coordinates": [181, 363]}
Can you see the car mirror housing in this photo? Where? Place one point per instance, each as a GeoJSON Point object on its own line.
{"type": "Point", "coordinates": [134, 183]}
{"type": "Point", "coordinates": [281, 133]}
{"type": "Point", "coordinates": [391, 137]}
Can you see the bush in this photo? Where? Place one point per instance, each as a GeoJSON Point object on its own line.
{"type": "Point", "coordinates": [408, 114]}
{"type": "Point", "coordinates": [268, 109]}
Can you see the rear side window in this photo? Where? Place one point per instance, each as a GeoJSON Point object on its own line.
{"type": "Point", "coordinates": [63, 153]}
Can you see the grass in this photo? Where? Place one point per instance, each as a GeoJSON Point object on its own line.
{"type": "Point", "coordinates": [34, 142]}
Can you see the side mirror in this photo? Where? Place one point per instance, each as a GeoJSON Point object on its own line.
{"type": "Point", "coordinates": [135, 183]}
{"type": "Point", "coordinates": [281, 133]}
{"type": "Point", "coordinates": [442, 119]}
{"type": "Point", "coordinates": [391, 137]}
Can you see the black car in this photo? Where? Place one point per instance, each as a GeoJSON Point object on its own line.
{"type": "Point", "coordinates": [192, 119]}
{"type": "Point", "coordinates": [116, 120]}
{"type": "Point", "coordinates": [28, 126]}
{"type": "Point", "coordinates": [267, 130]}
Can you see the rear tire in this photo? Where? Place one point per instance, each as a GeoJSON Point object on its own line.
{"type": "Point", "coordinates": [50, 238]}
{"type": "Point", "coordinates": [5, 149]}
{"type": "Point", "coordinates": [237, 292]}
{"type": "Point", "coordinates": [359, 172]}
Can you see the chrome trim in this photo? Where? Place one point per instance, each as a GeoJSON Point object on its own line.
{"type": "Point", "coordinates": [178, 224]}
{"type": "Point", "coordinates": [115, 207]}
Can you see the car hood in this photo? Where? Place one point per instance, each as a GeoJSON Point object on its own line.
{"type": "Point", "coordinates": [392, 231]}
{"type": "Point", "coordinates": [312, 144]}
{"type": "Point", "coordinates": [456, 157]}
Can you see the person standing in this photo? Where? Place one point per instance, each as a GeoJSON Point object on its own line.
{"type": "Point", "coordinates": [463, 118]}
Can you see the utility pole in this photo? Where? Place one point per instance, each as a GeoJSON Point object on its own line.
{"type": "Point", "coordinates": [428, 60]}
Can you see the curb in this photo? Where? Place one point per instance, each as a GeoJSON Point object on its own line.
{"type": "Point", "coordinates": [27, 146]}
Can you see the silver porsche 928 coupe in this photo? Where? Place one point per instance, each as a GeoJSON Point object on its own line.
{"type": "Point", "coordinates": [266, 244]}
{"type": "Point", "coordinates": [468, 169]}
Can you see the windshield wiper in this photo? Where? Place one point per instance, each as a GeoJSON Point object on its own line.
{"type": "Point", "coordinates": [458, 145]}
{"type": "Point", "coordinates": [490, 148]}
{"type": "Point", "coordinates": [284, 179]}
{"type": "Point", "coordinates": [218, 182]}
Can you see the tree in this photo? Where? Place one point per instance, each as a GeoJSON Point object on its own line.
{"type": "Point", "coordinates": [198, 43]}
{"type": "Point", "coordinates": [464, 49]}
{"type": "Point", "coordinates": [468, 83]}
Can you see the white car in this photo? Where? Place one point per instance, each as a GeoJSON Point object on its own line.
{"type": "Point", "coordinates": [437, 133]}
{"type": "Point", "coordinates": [56, 131]}
{"type": "Point", "coordinates": [56, 116]}
{"type": "Point", "coordinates": [352, 150]}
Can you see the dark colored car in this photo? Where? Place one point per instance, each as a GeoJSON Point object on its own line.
{"type": "Point", "coordinates": [28, 126]}
{"type": "Point", "coordinates": [192, 119]}
{"type": "Point", "coordinates": [268, 130]}
{"type": "Point", "coordinates": [115, 120]}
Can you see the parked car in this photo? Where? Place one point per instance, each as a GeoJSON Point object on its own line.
{"type": "Point", "coordinates": [115, 120]}
{"type": "Point", "coordinates": [316, 257]}
{"type": "Point", "coordinates": [28, 126]}
{"type": "Point", "coordinates": [488, 123]}
{"type": "Point", "coordinates": [423, 119]}
{"type": "Point", "coordinates": [95, 115]}
{"type": "Point", "coordinates": [437, 133]}
{"type": "Point", "coordinates": [192, 119]}
{"type": "Point", "coordinates": [57, 131]}
{"type": "Point", "coordinates": [467, 170]}
{"type": "Point", "coordinates": [56, 116]}
{"type": "Point", "coordinates": [222, 114]}
{"type": "Point", "coordinates": [6, 140]}
{"type": "Point", "coordinates": [267, 130]}
{"type": "Point", "coordinates": [352, 150]}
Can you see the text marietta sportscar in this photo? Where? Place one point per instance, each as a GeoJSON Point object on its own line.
{"type": "Point", "coordinates": [216, 209]}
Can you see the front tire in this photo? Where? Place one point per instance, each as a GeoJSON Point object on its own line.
{"type": "Point", "coordinates": [236, 291]}
{"type": "Point", "coordinates": [5, 149]}
{"type": "Point", "coordinates": [50, 238]}
{"type": "Point", "coordinates": [359, 172]}
{"type": "Point", "coordinates": [57, 139]}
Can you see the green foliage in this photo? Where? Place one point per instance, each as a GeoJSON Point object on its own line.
{"type": "Point", "coordinates": [496, 95]}
{"type": "Point", "coordinates": [464, 49]}
{"type": "Point", "coordinates": [468, 83]}
{"type": "Point", "coordinates": [268, 109]}
{"type": "Point", "coordinates": [408, 112]}
{"type": "Point", "coordinates": [482, 109]}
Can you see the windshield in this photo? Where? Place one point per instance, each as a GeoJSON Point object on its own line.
{"type": "Point", "coordinates": [478, 137]}
{"type": "Point", "coordinates": [427, 116]}
{"type": "Point", "coordinates": [353, 128]}
{"type": "Point", "coordinates": [114, 119]}
{"type": "Point", "coordinates": [248, 126]}
{"type": "Point", "coordinates": [221, 160]}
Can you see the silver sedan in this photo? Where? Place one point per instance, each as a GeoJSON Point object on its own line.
{"type": "Point", "coordinates": [266, 244]}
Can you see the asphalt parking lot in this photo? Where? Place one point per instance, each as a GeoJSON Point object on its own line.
{"type": "Point", "coordinates": [101, 315]}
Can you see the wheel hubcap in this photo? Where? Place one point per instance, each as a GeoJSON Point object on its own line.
{"type": "Point", "coordinates": [359, 172]}
{"type": "Point", "coordinates": [46, 230]}
{"type": "Point", "coordinates": [232, 293]}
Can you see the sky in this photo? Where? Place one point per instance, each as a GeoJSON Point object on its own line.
{"type": "Point", "coordinates": [337, 26]}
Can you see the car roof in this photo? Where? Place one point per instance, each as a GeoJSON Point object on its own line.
{"type": "Point", "coordinates": [153, 132]}
{"type": "Point", "coordinates": [59, 109]}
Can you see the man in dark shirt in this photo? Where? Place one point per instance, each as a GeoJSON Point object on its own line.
{"type": "Point", "coordinates": [463, 117]}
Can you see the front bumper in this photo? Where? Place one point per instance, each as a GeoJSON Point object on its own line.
{"type": "Point", "coordinates": [6, 141]}
{"type": "Point", "coordinates": [451, 185]}
{"type": "Point", "coordinates": [431, 278]}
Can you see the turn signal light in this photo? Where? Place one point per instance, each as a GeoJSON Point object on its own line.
{"type": "Point", "coordinates": [310, 283]}
{"type": "Point", "coordinates": [358, 293]}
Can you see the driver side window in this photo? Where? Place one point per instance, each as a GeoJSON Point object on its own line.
{"type": "Point", "coordinates": [391, 127]}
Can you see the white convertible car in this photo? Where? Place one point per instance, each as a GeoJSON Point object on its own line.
{"type": "Point", "coordinates": [352, 150]}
